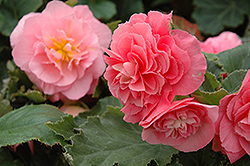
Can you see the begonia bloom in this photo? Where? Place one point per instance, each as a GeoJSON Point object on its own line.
{"type": "Point", "coordinates": [233, 124]}
{"type": "Point", "coordinates": [145, 56]}
{"type": "Point", "coordinates": [225, 41]}
{"type": "Point", "coordinates": [60, 49]}
{"type": "Point", "coordinates": [184, 124]}
{"type": "Point", "coordinates": [73, 109]}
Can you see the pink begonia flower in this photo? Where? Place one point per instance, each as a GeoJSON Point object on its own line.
{"type": "Point", "coordinates": [60, 49]}
{"type": "Point", "coordinates": [135, 113]}
{"type": "Point", "coordinates": [72, 109]}
{"type": "Point", "coordinates": [184, 124]}
{"type": "Point", "coordinates": [233, 124]}
{"type": "Point", "coordinates": [145, 56]}
{"type": "Point", "coordinates": [225, 41]}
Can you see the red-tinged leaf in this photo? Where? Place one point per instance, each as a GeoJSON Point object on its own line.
{"type": "Point", "coordinates": [182, 23]}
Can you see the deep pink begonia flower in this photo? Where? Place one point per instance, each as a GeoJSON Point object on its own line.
{"type": "Point", "coordinates": [184, 124]}
{"type": "Point", "coordinates": [225, 41]}
{"type": "Point", "coordinates": [135, 113]}
{"type": "Point", "coordinates": [145, 56]}
{"type": "Point", "coordinates": [233, 124]}
{"type": "Point", "coordinates": [60, 49]}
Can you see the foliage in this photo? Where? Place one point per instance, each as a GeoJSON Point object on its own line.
{"type": "Point", "coordinates": [100, 136]}
{"type": "Point", "coordinates": [12, 10]}
{"type": "Point", "coordinates": [182, 23]}
{"type": "Point", "coordinates": [235, 59]}
{"type": "Point", "coordinates": [212, 16]}
{"type": "Point", "coordinates": [27, 123]}
{"type": "Point", "coordinates": [102, 9]}
{"type": "Point", "coordinates": [205, 157]}
{"type": "Point", "coordinates": [103, 140]}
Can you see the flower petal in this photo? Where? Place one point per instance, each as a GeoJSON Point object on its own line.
{"type": "Point", "coordinates": [200, 139]}
{"type": "Point", "coordinates": [195, 75]}
{"type": "Point", "coordinates": [229, 140]}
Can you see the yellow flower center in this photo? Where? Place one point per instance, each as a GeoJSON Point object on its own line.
{"type": "Point", "coordinates": [64, 48]}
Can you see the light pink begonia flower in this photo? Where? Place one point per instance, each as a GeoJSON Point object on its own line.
{"type": "Point", "coordinates": [184, 124]}
{"type": "Point", "coordinates": [72, 109]}
{"type": "Point", "coordinates": [233, 124]}
{"type": "Point", "coordinates": [145, 56]}
{"type": "Point", "coordinates": [60, 49]}
{"type": "Point", "coordinates": [225, 41]}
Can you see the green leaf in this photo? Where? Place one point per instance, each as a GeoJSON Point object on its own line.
{"type": "Point", "coordinates": [113, 25]}
{"type": "Point", "coordinates": [71, 2]}
{"type": "Point", "coordinates": [3, 73]}
{"type": "Point", "coordinates": [174, 161]}
{"type": "Point", "coordinates": [102, 9]}
{"type": "Point", "coordinates": [4, 106]}
{"type": "Point", "coordinates": [208, 92]}
{"type": "Point", "coordinates": [210, 84]}
{"type": "Point", "coordinates": [17, 82]}
{"type": "Point", "coordinates": [236, 58]}
{"type": "Point", "coordinates": [6, 159]}
{"type": "Point", "coordinates": [215, 68]}
{"type": "Point", "coordinates": [64, 127]}
{"type": "Point", "coordinates": [174, 164]}
{"type": "Point", "coordinates": [210, 57]}
{"type": "Point", "coordinates": [100, 88]}
{"type": "Point", "coordinates": [156, 3]}
{"type": "Point", "coordinates": [233, 82]}
{"type": "Point", "coordinates": [27, 123]}
{"type": "Point", "coordinates": [14, 71]}
{"type": "Point", "coordinates": [125, 8]}
{"type": "Point", "coordinates": [35, 96]}
{"type": "Point", "coordinates": [5, 47]}
{"type": "Point", "coordinates": [7, 21]}
{"type": "Point", "coordinates": [212, 98]}
{"type": "Point", "coordinates": [212, 15]}
{"type": "Point", "coordinates": [204, 157]}
{"type": "Point", "coordinates": [102, 104]}
{"type": "Point", "coordinates": [12, 10]}
{"type": "Point", "coordinates": [11, 86]}
{"type": "Point", "coordinates": [108, 139]}
{"type": "Point", "coordinates": [98, 109]}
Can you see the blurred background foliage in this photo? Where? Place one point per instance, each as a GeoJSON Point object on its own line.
{"type": "Point", "coordinates": [202, 18]}
{"type": "Point", "coordinates": [211, 17]}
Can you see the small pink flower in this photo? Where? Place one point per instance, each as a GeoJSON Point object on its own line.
{"type": "Point", "coordinates": [72, 109]}
{"type": "Point", "coordinates": [146, 55]}
{"type": "Point", "coordinates": [185, 124]}
{"type": "Point", "coordinates": [60, 49]}
{"type": "Point", "coordinates": [226, 40]}
{"type": "Point", "coordinates": [233, 124]}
